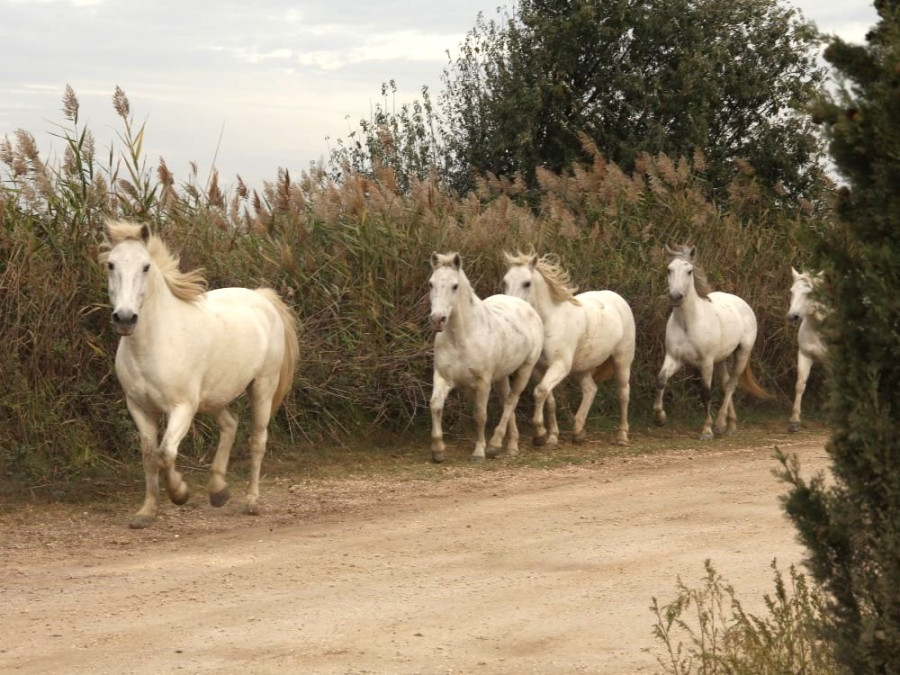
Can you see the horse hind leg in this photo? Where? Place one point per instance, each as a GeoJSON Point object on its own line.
{"type": "Point", "coordinates": [505, 426]}
{"type": "Point", "coordinates": [217, 487]}
{"type": "Point", "coordinates": [726, 420]}
{"type": "Point", "coordinates": [261, 392]}
{"type": "Point", "coordinates": [623, 389]}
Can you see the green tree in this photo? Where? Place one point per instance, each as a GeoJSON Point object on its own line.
{"type": "Point", "coordinates": [675, 77]}
{"type": "Point", "coordinates": [852, 527]}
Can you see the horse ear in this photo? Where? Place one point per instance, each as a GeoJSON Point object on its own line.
{"type": "Point", "coordinates": [457, 261]}
{"type": "Point", "coordinates": [795, 274]}
{"type": "Point", "coordinates": [145, 233]}
{"type": "Point", "coordinates": [670, 252]}
{"type": "Point", "coordinates": [533, 261]}
{"type": "Point", "coordinates": [692, 252]}
{"type": "Point", "coordinates": [434, 259]}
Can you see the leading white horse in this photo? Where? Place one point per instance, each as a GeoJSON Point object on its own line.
{"type": "Point", "coordinates": [183, 350]}
{"type": "Point", "coordinates": [805, 310]}
{"type": "Point", "coordinates": [479, 343]}
{"type": "Point", "coordinates": [712, 331]}
{"type": "Point", "coordinates": [590, 335]}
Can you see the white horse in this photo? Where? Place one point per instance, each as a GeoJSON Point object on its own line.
{"type": "Point", "coordinates": [183, 350]}
{"type": "Point", "coordinates": [812, 349]}
{"type": "Point", "coordinates": [590, 335]}
{"type": "Point", "coordinates": [712, 331]}
{"type": "Point", "coordinates": [477, 343]}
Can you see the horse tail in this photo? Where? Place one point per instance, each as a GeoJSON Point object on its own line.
{"type": "Point", "coordinates": [605, 370]}
{"type": "Point", "coordinates": [748, 383]}
{"type": "Point", "coordinates": [291, 345]}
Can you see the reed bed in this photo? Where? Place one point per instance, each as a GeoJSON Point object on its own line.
{"type": "Point", "coordinates": [351, 256]}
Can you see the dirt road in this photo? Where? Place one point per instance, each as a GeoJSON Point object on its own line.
{"type": "Point", "coordinates": [526, 571]}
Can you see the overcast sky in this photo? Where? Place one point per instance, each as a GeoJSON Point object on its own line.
{"type": "Point", "coordinates": [275, 79]}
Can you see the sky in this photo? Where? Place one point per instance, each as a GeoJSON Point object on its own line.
{"type": "Point", "coordinates": [247, 87]}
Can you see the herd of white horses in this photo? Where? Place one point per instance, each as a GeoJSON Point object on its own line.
{"type": "Point", "coordinates": [185, 350]}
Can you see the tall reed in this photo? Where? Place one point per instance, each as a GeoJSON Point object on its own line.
{"type": "Point", "coordinates": [351, 256]}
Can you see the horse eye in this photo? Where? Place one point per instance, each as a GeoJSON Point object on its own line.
{"type": "Point", "coordinates": [690, 272]}
{"type": "Point", "coordinates": [455, 286]}
{"type": "Point", "coordinates": [527, 284]}
{"type": "Point", "coordinates": [146, 268]}
{"type": "Point", "coordinates": [110, 266]}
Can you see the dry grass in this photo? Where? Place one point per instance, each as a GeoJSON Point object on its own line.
{"type": "Point", "coordinates": [351, 256]}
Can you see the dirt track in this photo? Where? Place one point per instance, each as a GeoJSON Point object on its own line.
{"type": "Point", "coordinates": [531, 571]}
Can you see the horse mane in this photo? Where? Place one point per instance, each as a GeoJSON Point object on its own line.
{"type": "Point", "coordinates": [557, 278]}
{"type": "Point", "coordinates": [701, 284]}
{"type": "Point", "coordinates": [187, 286]}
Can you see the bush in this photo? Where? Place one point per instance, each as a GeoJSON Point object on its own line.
{"type": "Point", "coordinates": [706, 630]}
{"type": "Point", "coordinates": [351, 255]}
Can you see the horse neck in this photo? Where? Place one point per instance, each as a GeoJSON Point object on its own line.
{"type": "Point", "coordinates": [159, 311]}
{"type": "Point", "coordinates": [542, 299]}
{"type": "Point", "coordinates": [468, 310]}
{"type": "Point", "coordinates": [693, 306]}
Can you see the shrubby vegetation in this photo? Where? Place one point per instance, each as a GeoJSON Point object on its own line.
{"type": "Point", "coordinates": [706, 630]}
{"type": "Point", "coordinates": [851, 526]}
{"type": "Point", "coordinates": [352, 256]}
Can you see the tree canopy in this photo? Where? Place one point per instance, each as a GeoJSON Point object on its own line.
{"type": "Point", "coordinates": [721, 78]}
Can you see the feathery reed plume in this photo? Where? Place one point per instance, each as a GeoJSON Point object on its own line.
{"type": "Point", "coordinates": [70, 105]}
{"type": "Point", "coordinates": [121, 104]}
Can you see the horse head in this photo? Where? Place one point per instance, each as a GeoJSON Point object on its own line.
{"type": "Point", "coordinates": [127, 267]}
{"type": "Point", "coordinates": [444, 286]}
{"type": "Point", "coordinates": [802, 305]}
{"type": "Point", "coordinates": [519, 279]}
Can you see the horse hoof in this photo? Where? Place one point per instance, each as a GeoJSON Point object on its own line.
{"type": "Point", "coordinates": [579, 438]}
{"type": "Point", "coordinates": [493, 453]}
{"type": "Point", "coordinates": [621, 442]}
{"type": "Point", "coordinates": [219, 498]}
{"type": "Point", "coordinates": [538, 441]}
{"type": "Point", "coordinates": [180, 498]}
{"type": "Point", "coordinates": [706, 436]}
{"type": "Point", "coordinates": [793, 427]}
{"type": "Point", "coordinates": [660, 419]}
{"type": "Point", "coordinates": [476, 459]}
{"type": "Point", "coordinates": [140, 522]}
{"type": "Point", "coordinates": [251, 509]}
{"type": "Point", "coordinates": [437, 457]}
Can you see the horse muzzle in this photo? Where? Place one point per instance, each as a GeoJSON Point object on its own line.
{"type": "Point", "coordinates": [124, 323]}
{"type": "Point", "coordinates": [793, 317]}
{"type": "Point", "coordinates": [438, 323]}
{"type": "Point", "coordinates": [676, 300]}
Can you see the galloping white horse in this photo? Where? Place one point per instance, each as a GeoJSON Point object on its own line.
{"type": "Point", "coordinates": [477, 343]}
{"type": "Point", "coordinates": [590, 335]}
{"type": "Point", "coordinates": [183, 350]}
{"type": "Point", "coordinates": [712, 331]}
{"type": "Point", "coordinates": [812, 349]}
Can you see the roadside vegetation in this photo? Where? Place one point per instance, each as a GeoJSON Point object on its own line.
{"type": "Point", "coordinates": [351, 256]}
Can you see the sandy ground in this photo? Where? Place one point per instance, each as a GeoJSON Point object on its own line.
{"type": "Point", "coordinates": [519, 571]}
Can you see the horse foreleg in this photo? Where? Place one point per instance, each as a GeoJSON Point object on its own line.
{"type": "Point", "coordinates": [554, 374]}
{"type": "Point", "coordinates": [440, 390]}
{"type": "Point", "coordinates": [148, 430]}
{"type": "Point", "coordinates": [706, 374]}
{"type": "Point", "coordinates": [588, 393]}
{"type": "Point", "coordinates": [804, 364]}
{"type": "Point", "coordinates": [217, 487]}
{"type": "Point", "coordinates": [669, 367]}
{"type": "Point", "coordinates": [177, 426]}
